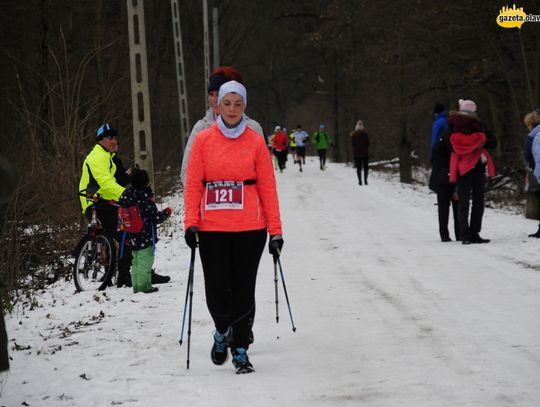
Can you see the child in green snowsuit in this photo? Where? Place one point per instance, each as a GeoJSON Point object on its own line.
{"type": "Point", "coordinates": [143, 244]}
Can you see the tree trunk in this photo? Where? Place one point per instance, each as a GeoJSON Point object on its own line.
{"type": "Point", "coordinates": [44, 133]}
{"type": "Point", "coordinates": [335, 106]}
{"type": "Point", "coordinates": [405, 164]}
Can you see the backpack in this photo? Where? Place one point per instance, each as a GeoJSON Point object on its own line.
{"type": "Point", "coordinates": [130, 219]}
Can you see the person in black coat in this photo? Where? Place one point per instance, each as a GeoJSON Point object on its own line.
{"type": "Point", "coordinates": [439, 183]}
{"type": "Point", "coordinates": [360, 145]}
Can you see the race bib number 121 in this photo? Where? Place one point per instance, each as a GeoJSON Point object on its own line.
{"type": "Point", "coordinates": [224, 195]}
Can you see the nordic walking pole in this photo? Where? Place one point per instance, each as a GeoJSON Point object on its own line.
{"type": "Point", "coordinates": [276, 288]}
{"type": "Point", "coordinates": [189, 283]}
{"type": "Point", "coordinates": [191, 268]}
{"type": "Point", "coordinates": [286, 296]}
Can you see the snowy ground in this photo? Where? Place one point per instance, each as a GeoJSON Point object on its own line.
{"type": "Point", "coordinates": [387, 315]}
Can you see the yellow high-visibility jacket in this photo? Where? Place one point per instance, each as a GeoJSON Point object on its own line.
{"type": "Point", "coordinates": [97, 177]}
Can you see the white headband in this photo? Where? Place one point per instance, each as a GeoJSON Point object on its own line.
{"type": "Point", "coordinates": [232, 87]}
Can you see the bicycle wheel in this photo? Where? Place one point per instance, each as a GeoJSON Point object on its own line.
{"type": "Point", "coordinates": [95, 262]}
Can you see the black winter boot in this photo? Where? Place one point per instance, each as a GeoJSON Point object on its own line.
{"type": "Point", "coordinates": [478, 239]}
{"type": "Point", "coordinates": [159, 279]}
{"type": "Point", "coordinates": [537, 234]}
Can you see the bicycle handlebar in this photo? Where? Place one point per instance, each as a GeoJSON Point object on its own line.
{"type": "Point", "coordinates": [97, 199]}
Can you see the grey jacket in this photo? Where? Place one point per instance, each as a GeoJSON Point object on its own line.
{"type": "Point", "coordinates": [202, 124]}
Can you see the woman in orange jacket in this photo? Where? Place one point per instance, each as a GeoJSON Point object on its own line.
{"type": "Point", "coordinates": [231, 203]}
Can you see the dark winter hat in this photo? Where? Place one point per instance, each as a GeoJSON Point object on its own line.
{"type": "Point", "coordinates": [438, 108]}
{"type": "Point", "coordinates": [106, 130]}
{"type": "Point", "coordinates": [139, 178]}
{"type": "Point", "coordinates": [216, 82]}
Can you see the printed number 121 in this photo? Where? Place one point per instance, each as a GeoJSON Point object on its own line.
{"type": "Point", "coordinates": [224, 195]}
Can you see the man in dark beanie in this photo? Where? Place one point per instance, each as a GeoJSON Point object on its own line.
{"type": "Point", "coordinates": [220, 76]}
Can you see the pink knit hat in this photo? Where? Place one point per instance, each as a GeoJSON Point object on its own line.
{"type": "Point", "coordinates": [467, 106]}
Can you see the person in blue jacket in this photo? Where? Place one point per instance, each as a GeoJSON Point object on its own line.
{"type": "Point", "coordinates": [439, 124]}
{"type": "Point", "coordinates": [531, 154]}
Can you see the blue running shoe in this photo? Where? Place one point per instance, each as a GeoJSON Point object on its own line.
{"type": "Point", "coordinates": [219, 352]}
{"type": "Point", "coordinates": [241, 361]}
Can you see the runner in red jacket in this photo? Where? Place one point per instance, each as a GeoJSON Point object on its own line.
{"type": "Point", "coordinates": [280, 145]}
{"type": "Point", "coordinates": [231, 203]}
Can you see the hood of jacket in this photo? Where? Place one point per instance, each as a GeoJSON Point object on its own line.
{"type": "Point", "coordinates": [534, 132]}
{"type": "Point", "coordinates": [461, 123]}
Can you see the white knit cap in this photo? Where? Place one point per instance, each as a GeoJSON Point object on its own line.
{"type": "Point", "coordinates": [232, 87]}
{"type": "Point", "coordinates": [467, 106]}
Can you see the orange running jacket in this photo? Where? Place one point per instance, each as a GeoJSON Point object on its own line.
{"type": "Point", "coordinates": [216, 158]}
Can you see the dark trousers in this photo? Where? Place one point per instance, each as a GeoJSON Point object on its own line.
{"type": "Point", "coordinates": [108, 216]}
{"type": "Point", "coordinates": [361, 163]}
{"type": "Point", "coordinates": [471, 187]}
{"type": "Point", "coordinates": [4, 358]}
{"type": "Point", "coordinates": [230, 262]}
{"type": "Point", "coordinates": [281, 158]}
{"type": "Point", "coordinates": [444, 201]}
{"type": "Point", "coordinates": [537, 193]}
{"type": "Point", "coordinates": [322, 157]}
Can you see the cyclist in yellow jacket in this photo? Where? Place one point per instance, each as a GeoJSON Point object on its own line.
{"type": "Point", "coordinates": [99, 168]}
{"type": "Point", "coordinates": [103, 174]}
{"type": "Point", "coordinates": [98, 178]}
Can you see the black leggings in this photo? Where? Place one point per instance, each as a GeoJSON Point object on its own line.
{"type": "Point", "coordinates": [361, 163]}
{"type": "Point", "coordinates": [230, 262]}
{"type": "Point", "coordinates": [444, 201]}
{"type": "Point", "coordinates": [322, 157]}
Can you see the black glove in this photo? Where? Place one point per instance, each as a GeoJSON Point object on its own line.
{"type": "Point", "coordinates": [192, 239]}
{"type": "Point", "coordinates": [275, 245]}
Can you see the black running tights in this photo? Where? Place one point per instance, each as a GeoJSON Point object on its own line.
{"type": "Point", "coordinates": [230, 261]}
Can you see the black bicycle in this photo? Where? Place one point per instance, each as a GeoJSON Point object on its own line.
{"type": "Point", "coordinates": [95, 255]}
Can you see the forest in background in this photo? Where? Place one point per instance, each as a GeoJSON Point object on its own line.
{"type": "Point", "coordinates": [65, 70]}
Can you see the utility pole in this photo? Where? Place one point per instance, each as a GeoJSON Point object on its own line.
{"type": "Point", "coordinates": [180, 74]}
{"type": "Point", "coordinates": [140, 95]}
{"type": "Point", "coordinates": [215, 22]}
{"type": "Point", "coordinates": [206, 49]}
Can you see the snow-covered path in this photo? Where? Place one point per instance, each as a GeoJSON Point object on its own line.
{"type": "Point", "coordinates": [387, 315]}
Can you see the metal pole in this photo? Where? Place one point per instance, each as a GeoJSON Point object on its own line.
{"type": "Point", "coordinates": [140, 95]}
{"type": "Point", "coordinates": [215, 21]}
{"type": "Point", "coordinates": [180, 74]}
{"type": "Point", "coordinates": [206, 49]}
